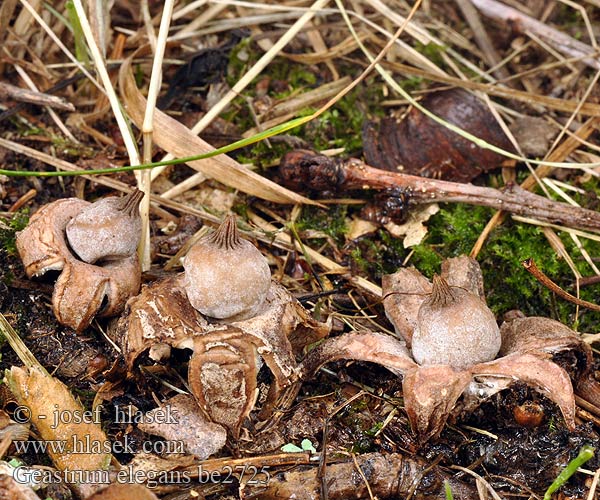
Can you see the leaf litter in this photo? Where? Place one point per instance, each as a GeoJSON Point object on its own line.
{"type": "Point", "coordinates": [353, 412]}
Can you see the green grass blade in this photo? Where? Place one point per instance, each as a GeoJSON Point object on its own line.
{"type": "Point", "coordinates": [585, 454]}
{"type": "Point", "coordinates": [448, 490]}
{"type": "Point", "coordinates": [279, 129]}
{"type": "Point", "coordinates": [81, 52]}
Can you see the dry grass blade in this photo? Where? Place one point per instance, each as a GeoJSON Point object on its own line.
{"type": "Point", "coordinates": [343, 48]}
{"type": "Point", "coordinates": [526, 24]}
{"type": "Point", "coordinates": [588, 108]}
{"type": "Point", "coordinates": [108, 87]}
{"type": "Point", "coordinates": [17, 345]}
{"type": "Point", "coordinates": [254, 71]}
{"type": "Point", "coordinates": [288, 108]}
{"type": "Point", "coordinates": [326, 263]}
{"type": "Point", "coordinates": [178, 140]}
{"type": "Point", "coordinates": [147, 131]}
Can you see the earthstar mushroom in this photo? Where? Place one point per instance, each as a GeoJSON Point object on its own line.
{"type": "Point", "coordinates": [227, 353]}
{"type": "Point", "coordinates": [108, 229]}
{"type": "Point", "coordinates": [454, 327]}
{"type": "Point", "coordinates": [83, 290]}
{"type": "Point", "coordinates": [436, 386]}
{"type": "Point", "coordinates": [226, 276]}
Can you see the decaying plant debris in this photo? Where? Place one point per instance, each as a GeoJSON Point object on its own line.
{"type": "Point", "coordinates": [396, 145]}
{"type": "Point", "coordinates": [352, 369]}
{"type": "Point", "coordinates": [306, 170]}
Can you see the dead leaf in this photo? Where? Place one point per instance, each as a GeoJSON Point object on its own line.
{"type": "Point", "coordinates": [414, 229]}
{"type": "Point", "coordinates": [46, 398]}
{"type": "Point", "coordinates": [418, 145]}
{"type": "Point", "coordinates": [533, 135]}
{"type": "Point", "coordinates": [360, 227]}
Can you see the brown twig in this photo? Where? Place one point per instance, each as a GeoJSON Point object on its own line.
{"type": "Point", "coordinates": [530, 266]}
{"type": "Point", "coordinates": [523, 23]}
{"type": "Point", "coordinates": [564, 149]}
{"type": "Point", "coordinates": [8, 91]}
{"type": "Point", "coordinates": [304, 170]}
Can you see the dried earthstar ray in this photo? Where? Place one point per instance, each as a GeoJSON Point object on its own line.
{"type": "Point", "coordinates": [160, 313]}
{"type": "Point", "coordinates": [364, 346]}
{"type": "Point", "coordinates": [542, 335]}
{"type": "Point", "coordinates": [222, 374]}
{"type": "Point", "coordinates": [435, 392]}
{"type": "Point", "coordinates": [430, 394]}
{"type": "Point", "coordinates": [83, 290]}
{"type": "Point", "coordinates": [542, 374]}
{"type": "Point", "coordinates": [226, 351]}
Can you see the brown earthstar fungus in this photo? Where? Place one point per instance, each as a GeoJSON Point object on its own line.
{"type": "Point", "coordinates": [267, 326]}
{"type": "Point", "coordinates": [226, 275]}
{"type": "Point", "coordinates": [454, 327]}
{"type": "Point", "coordinates": [93, 245]}
{"type": "Point", "coordinates": [108, 229]}
{"type": "Point", "coordinates": [451, 376]}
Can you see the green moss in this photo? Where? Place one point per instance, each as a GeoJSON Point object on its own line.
{"type": "Point", "coordinates": [454, 231]}
{"type": "Point", "coordinates": [338, 127]}
{"type": "Point", "coordinates": [451, 232]}
{"type": "Point", "coordinates": [411, 83]}
{"type": "Point", "coordinates": [263, 153]}
{"type": "Point", "coordinates": [332, 222]}
{"type": "Point", "coordinates": [8, 231]}
{"type": "Point", "coordinates": [431, 51]}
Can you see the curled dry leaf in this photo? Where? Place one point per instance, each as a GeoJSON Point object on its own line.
{"type": "Point", "coordinates": [393, 145]}
{"type": "Point", "coordinates": [82, 290]}
{"type": "Point", "coordinates": [44, 395]}
{"type": "Point", "coordinates": [445, 386]}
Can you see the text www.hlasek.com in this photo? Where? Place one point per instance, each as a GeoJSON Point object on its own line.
{"type": "Point", "coordinates": [87, 445]}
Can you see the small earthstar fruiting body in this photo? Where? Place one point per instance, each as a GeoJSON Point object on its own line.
{"type": "Point", "coordinates": [225, 275]}
{"type": "Point", "coordinates": [454, 327]}
{"type": "Point", "coordinates": [107, 229]}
